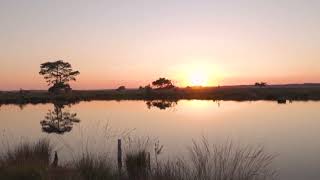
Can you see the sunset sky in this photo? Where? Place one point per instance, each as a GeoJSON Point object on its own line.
{"type": "Point", "coordinates": [132, 42]}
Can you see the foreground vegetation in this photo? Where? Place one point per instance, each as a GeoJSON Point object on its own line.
{"type": "Point", "coordinates": [205, 162]}
{"type": "Point", "coordinates": [238, 93]}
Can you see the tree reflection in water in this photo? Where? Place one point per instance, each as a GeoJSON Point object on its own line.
{"type": "Point", "coordinates": [161, 104]}
{"type": "Point", "coordinates": [57, 121]}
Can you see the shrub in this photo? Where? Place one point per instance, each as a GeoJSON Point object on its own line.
{"type": "Point", "coordinates": [26, 161]}
{"type": "Point", "coordinates": [121, 88]}
{"type": "Point", "coordinates": [138, 164]}
{"type": "Point", "coordinates": [94, 167]}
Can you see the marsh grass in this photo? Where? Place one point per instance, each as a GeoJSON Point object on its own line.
{"type": "Point", "coordinates": [218, 162]}
{"type": "Point", "coordinates": [137, 157]}
{"type": "Point", "coordinates": [138, 165]}
{"type": "Point", "coordinates": [26, 161]}
{"type": "Point", "coordinates": [93, 167]}
{"type": "Point", "coordinates": [205, 161]}
{"type": "Point", "coordinates": [229, 161]}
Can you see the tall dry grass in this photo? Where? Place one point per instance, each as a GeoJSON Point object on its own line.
{"type": "Point", "coordinates": [93, 167]}
{"type": "Point", "coordinates": [228, 161]}
{"type": "Point", "coordinates": [26, 161]}
{"type": "Point", "coordinates": [205, 161]}
{"type": "Point", "coordinates": [218, 162]}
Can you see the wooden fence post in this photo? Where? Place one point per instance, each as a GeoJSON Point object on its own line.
{"type": "Point", "coordinates": [55, 160]}
{"type": "Point", "coordinates": [119, 156]}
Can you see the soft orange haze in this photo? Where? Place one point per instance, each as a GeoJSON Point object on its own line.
{"type": "Point", "coordinates": [131, 43]}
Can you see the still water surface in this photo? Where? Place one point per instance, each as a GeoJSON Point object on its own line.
{"type": "Point", "coordinates": [291, 131]}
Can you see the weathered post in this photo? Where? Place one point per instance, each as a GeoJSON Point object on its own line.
{"type": "Point", "coordinates": [119, 156]}
{"type": "Point", "coordinates": [55, 160]}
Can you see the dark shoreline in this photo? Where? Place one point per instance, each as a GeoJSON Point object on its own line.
{"type": "Point", "coordinates": [235, 93]}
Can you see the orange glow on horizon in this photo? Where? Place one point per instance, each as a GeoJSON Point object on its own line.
{"type": "Point", "coordinates": [197, 75]}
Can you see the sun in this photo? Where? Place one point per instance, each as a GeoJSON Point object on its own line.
{"type": "Point", "coordinates": [196, 75]}
{"type": "Point", "coordinates": [198, 78]}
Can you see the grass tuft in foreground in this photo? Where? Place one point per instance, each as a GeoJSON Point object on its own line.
{"type": "Point", "coordinates": [90, 166]}
{"type": "Point", "coordinates": [26, 161]}
{"type": "Point", "coordinates": [218, 162]}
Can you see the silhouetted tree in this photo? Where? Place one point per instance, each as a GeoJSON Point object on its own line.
{"type": "Point", "coordinates": [121, 88]}
{"type": "Point", "coordinates": [58, 74]}
{"type": "Point", "coordinates": [163, 83]}
{"type": "Point", "coordinates": [261, 84]}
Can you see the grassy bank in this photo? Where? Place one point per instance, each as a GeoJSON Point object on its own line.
{"type": "Point", "coordinates": [205, 162]}
{"type": "Point", "coordinates": [238, 93]}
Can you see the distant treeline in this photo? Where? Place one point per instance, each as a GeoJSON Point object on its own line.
{"type": "Point", "coordinates": [59, 73]}
{"type": "Point", "coordinates": [237, 93]}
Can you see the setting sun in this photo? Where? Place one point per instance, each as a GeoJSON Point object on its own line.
{"type": "Point", "coordinates": [196, 74]}
{"type": "Point", "coordinates": [198, 78]}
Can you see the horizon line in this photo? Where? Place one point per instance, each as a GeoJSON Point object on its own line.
{"type": "Point", "coordinates": [214, 86]}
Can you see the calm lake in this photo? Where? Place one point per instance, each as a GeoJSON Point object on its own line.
{"type": "Point", "coordinates": [290, 131]}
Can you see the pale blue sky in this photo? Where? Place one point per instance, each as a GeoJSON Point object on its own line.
{"type": "Point", "coordinates": [133, 42]}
